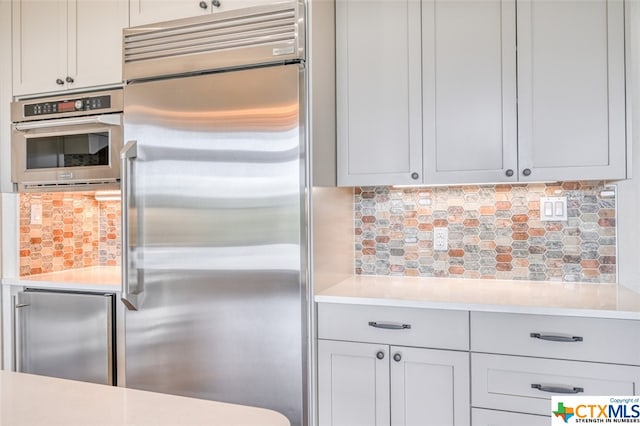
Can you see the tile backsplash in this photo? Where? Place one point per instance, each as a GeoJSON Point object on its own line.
{"type": "Point", "coordinates": [494, 232]}
{"type": "Point", "coordinates": [76, 231]}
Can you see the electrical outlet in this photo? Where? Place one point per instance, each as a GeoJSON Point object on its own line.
{"type": "Point", "coordinates": [36, 214]}
{"type": "Point", "coordinates": [553, 208]}
{"type": "Point", "coordinates": [440, 239]}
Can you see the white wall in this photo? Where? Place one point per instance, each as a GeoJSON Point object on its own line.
{"type": "Point", "coordinates": [628, 220]}
{"type": "Point", "coordinates": [5, 132]}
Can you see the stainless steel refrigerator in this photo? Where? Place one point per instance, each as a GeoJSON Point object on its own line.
{"type": "Point", "coordinates": [213, 184]}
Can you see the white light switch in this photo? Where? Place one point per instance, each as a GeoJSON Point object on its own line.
{"type": "Point", "coordinates": [553, 208]}
{"type": "Point", "coordinates": [36, 214]}
{"type": "Point", "coordinates": [559, 208]}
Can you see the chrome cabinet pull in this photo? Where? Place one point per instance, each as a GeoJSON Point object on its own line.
{"type": "Point", "coordinates": [59, 81]}
{"type": "Point", "coordinates": [556, 337]}
{"type": "Point", "coordinates": [397, 357]}
{"type": "Point", "coordinates": [380, 355]}
{"type": "Point", "coordinates": [557, 388]}
{"type": "Point", "coordinates": [216, 3]}
{"type": "Point", "coordinates": [389, 326]}
{"type": "Point", "coordinates": [69, 79]}
{"type": "Point", "coordinates": [203, 4]}
{"type": "Point", "coordinates": [22, 305]}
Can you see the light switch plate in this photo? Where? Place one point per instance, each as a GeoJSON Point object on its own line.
{"type": "Point", "coordinates": [36, 214]}
{"type": "Point", "coordinates": [553, 208]}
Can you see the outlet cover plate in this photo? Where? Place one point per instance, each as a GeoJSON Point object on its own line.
{"type": "Point", "coordinates": [441, 239]}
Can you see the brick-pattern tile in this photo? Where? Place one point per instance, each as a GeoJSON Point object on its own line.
{"type": "Point", "coordinates": [110, 248]}
{"type": "Point", "coordinates": [494, 232]}
{"type": "Point", "coordinates": [71, 233]}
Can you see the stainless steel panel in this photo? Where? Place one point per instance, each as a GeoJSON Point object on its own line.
{"type": "Point", "coordinates": [255, 35]}
{"type": "Point", "coordinates": [66, 335]}
{"type": "Point", "coordinates": [218, 184]}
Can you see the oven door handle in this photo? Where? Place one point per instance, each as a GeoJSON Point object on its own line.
{"type": "Point", "coordinates": [111, 119]}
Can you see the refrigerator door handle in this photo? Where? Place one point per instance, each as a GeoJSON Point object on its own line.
{"type": "Point", "coordinates": [130, 294]}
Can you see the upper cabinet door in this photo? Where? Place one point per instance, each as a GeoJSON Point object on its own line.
{"type": "Point", "coordinates": [469, 91]}
{"type": "Point", "coordinates": [571, 90]}
{"type": "Point", "coordinates": [378, 92]}
{"type": "Point", "coordinates": [95, 41]}
{"type": "Point", "coordinates": [67, 44]}
{"type": "Point", "coordinates": [149, 11]}
{"type": "Point", "coordinates": [39, 45]}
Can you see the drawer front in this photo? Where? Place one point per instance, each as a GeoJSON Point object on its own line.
{"type": "Point", "coordinates": [430, 328]}
{"type": "Point", "coordinates": [526, 385]}
{"type": "Point", "coordinates": [546, 336]}
{"type": "Point", "coordinates": [481, 417]}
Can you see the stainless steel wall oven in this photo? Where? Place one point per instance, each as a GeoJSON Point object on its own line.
{"type": "Point", "coordinates": [67, 142]}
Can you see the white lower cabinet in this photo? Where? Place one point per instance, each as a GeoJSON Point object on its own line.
{"type": "Point", "coordinates": [400, 366]}
{"type": "Point", "coordinates": [353, 384]}
{"type": "Point", "coordinates": [429, 387]}
{"type": "Point", "coordinates": [481, 417]}
{"type": "Point", "coordinates": [526, 384]}
{"type": "Point", "coordinates": [372, 385]}
{"type": "Point", "coordinates": [519, 361]}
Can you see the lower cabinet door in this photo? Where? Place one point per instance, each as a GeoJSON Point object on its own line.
{"type": "Point", "coordinates": [429, 387]}
{"type": "Point", "coordinates": [482, 417]}
{"type": "Point", "coordinates": [353, 384]}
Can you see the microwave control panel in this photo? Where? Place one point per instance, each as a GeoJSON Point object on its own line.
{"type": "Point", "coordinates": [67, 106]}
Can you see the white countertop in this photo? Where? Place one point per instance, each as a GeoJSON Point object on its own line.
{"type": "Point", "coordinates": [93, 278]}
{"type": "Point", "coordinates": [30, 400]}
{"type": "Point", "coordinates": [533, 297]}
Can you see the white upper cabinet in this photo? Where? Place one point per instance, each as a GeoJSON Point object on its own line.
{"type": "Point", "coordinates": [510, 90]}
{"type": "Point", "coordinates": [68, 44]}
{"type": "Point", "coordinates": [571, 89]}
{"type": "Point", "coordinates": [150, 11]}
{"type": "Point", "coordinates": [469, 91]}
{"type": "Point", "coordinates": [378, 85]}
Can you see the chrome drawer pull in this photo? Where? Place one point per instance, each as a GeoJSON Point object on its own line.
{"type": "Point", "coordinates": [389, 326]}
{"type": "Point", "coordinates": [556, 338]}
{"type": "Point", "coordinates": [556, 389]}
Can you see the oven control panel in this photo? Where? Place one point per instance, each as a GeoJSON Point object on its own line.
{"type": "Point", "coordinates": [67, 105]}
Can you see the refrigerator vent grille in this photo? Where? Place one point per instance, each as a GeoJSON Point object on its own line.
{"type": "Point", "coordinates": [240, 37]}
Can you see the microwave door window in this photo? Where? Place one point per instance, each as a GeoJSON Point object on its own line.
{"type": "Point", "coordinates": [61, 151]}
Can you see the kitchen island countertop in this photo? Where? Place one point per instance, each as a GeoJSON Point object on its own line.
{"type": "Point", "coordinates": [30, 400]}
{"type": "Point", "coordinates": [527, 297]}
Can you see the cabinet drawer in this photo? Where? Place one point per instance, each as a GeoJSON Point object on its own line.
{"type": "Point", "coordinates": [586, 339]}
{"type": "Point", "coordinates": [482, 417]}
{"type": "Point", "coordinates": [424, 327]}
{"type": "Point", "coordinates": [510, 382]}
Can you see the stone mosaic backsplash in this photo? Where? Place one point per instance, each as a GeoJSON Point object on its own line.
{"type": "Point", "coordinates": [494, 232]}
{"type": "Point", "coordinates": [76, 231]}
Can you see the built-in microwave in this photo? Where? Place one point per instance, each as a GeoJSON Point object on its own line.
{"type": "Point", "coordinates": [67, 142]}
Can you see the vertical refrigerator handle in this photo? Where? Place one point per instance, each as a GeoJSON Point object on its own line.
{"type": "Point", "coordinates": [130, 291]}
